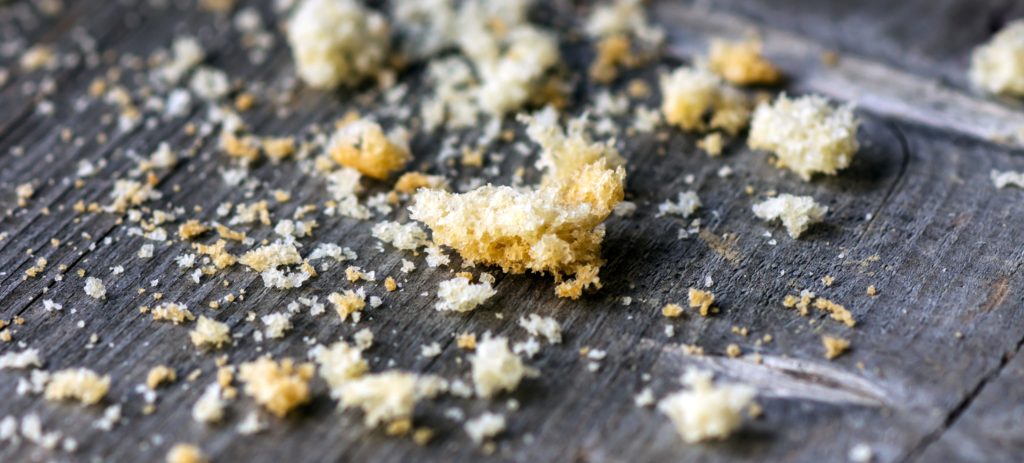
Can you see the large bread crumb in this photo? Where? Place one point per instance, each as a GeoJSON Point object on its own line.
{"type": "Point", "coordinates": [384, 397]}
{"type": "Point", "coordinates": [701, 299]}
{"type": "Point", "coordinates": [542, 326]}
{"type": "Point", "coordinates": [337, 42]}
{"type": "Point", "coordinates": [807, 134]}
{"type": "Point", "coordinates": [210, 332]}
{"type": "Point", "coordinates": [279, 387]}
{"type": "Point", "coordinates": [496, 368]}
{"type": "Point", "coordinates": [551, 229]}
{"type": "Point", "coordinates": [363, 146]}
{"type": "Point", "coordinates": [485, 426]}
{"type": "Point", "coordinates": [160, 374]}
{"type": "Point", "coordinates": [796, 212]}
{"type": "Point", "coordinates": [704, 411]}
{"type": "Point", "coordinates": [998, 66]}
{"type": "Point", "coordinates": [687, 95]}
{"type": "Point", "coordinates": [741, 63]}
{"type": "Point", "coordinates": [77, 383]}
{"type": "Point", "coordinates": [172, 311]}
{"type": "Point", "coordinates": [459, 295]}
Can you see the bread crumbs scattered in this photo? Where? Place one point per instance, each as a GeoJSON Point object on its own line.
{"type": "Point", "coordinates": [998, 66]}
{"type": "Point", "coordinates": [384, 397]}
{"type": "Point", "coordinates": [701, 299]}
{"type": "Point", "coordinates": [806, 134]}
{"type": "Point", "coordinates": [185, 453]}
{"type": "Point", "coordinates": [339, 364]}
{"type": "Point", "coordinates": [548, 230]}
{"type": "Point", "coordinates": [496, 368]}
{"type": "Point", "coordinates": [210, 332]}
{"type": "Point", "coordinates": [705, 411]}
{"type": "Point", "coordinates": [834, 347]}
{"type": "Point", "coordinates": [160, 374]}
{"type": "Point", "coordinates": [672, 310]}
{"type": "Point", "coordinates": [77, 383]}
{"type": "Point", "coordinates": [485, 426]}
{"type": "Point", "coordinates": [210, 406]}
{"type": "Point", "coordinates": [277, 324]}
{"type": "Point", "coordinates": [337, 42]}
{"type": "Point", "coordinates": [466, 341]}
{"type": "Point", "coordinates": [94, 287]}
{"type": "Point", "coordinates": [459, 295]}
{"type": "Point", "coordinates": [279, 387]}
{"type": "Point", "coordinates": [741, 63]}
{"type": "Point", "coordinates": [733, 351]}
{"type": "Point", "coordinates": [688, 203]}
{"type": "Point", "coordinates": [348, 303]}
{"type": "Point", "coordinates": [837, 311]}
{"type": "Point", "coordinates": [796, 212]}
{"type": "Point", "coordinates": [172, 311]}
{"type": "Point", "coordinates": [362, 145]}
{"type": "Point", "coordinates": [542, 326]}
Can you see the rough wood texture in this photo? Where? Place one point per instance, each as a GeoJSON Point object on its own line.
{"type": "Point", "coordinates": [915, 215]}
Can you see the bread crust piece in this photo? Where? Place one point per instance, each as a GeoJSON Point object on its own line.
{"type": "Point", "coordinates": [549, 230]}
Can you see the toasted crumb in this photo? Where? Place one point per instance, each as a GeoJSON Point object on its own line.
{"type": "Point", "coordinates": [806, 134]}
{"type": "Point", "coordinates": [612, 51]}
{"type": "Point", "coordinates": [796, 212]}
{"type": "Point", "coordinates": [94, 287]}
{"type": "Point", "coordinates": [701, 299]}
{"type": "Point", "coordinates": [271, 256]}
{"type": "Point", "coordinates": [741, 63]}
{"type": "Point", "coordinates": [496, 368]}
{"type": "Point", "coordinates": [834, 347]}
{"type": "Point", "coordinates": [409, 182]}
{"type": "Point", "coordinates": [337, 42]}
{"type": "Point", "coordinates": [389, 284]}
{"type": "Point", "coordinates": [704, 411]}
{"type": "Point", "coordinates": [459, 295]}
{"type": "Point", "coordinates": [221, 258]}
{"type": "Point", "coordinates": [672, 310]}
{"type": "Point", "coordinates": [384, 397]}
{"type": "Point", "coordinates": [466, 341]}
{"type": "Point", "coordinates": [210, 406]}
{"type": "Point", "coordinates": [998, 66]}
{"type": "Point", "coordinates": [278, 386]}
{"type": "Point", "coordinates": [363, 146]}
{"type": "Point", "coordinates": [827, 281]}
{"type": "Point", "coordinates": [872, 291]}
{"type": "Point", "coordinates": [733, 351]}
{"type": "Point", "coordinates": [172, 311]}
{"type": "Point", "coordinates": [185, 453]}
{"type": "Point", "coordinates": [542, 231]}
{"type": "Point", "coordinates": [191, 229]}
{"type": "Point", "coordinates": [160, 374]}
{"type": "Point", "coordinates": [348, 303]}
{"type": "Point", "coordinates": [77, 383]}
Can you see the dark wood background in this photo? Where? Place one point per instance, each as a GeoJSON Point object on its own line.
{"type": "Point", "coordinates": [915, 215]}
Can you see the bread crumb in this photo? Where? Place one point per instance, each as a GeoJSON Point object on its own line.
{"type": "Point", "coordinates": [191, 229]}
{"type": "Point", "coordinates": [459, 295]}
{"type": "Point", "coordinates": [998, 65]}
{"type": "Point", "coordinates": [158, 375]}
{"type": "Point", "coordinates": [542, 326]}
{"type": "Point", "coordinates": [277, 324]}
{"type": "Point", "coordinates": [409, 236]}
{"type": "Point", "coordinates": [270, 256]}
{"type": "Point", "coordinates": [278, 386]}
{"type": "Point", "coordinates": [362, 145]}
{"type": "Point", "coordinates": [384, 397]}
{"type": "Point", "coordinates": [741, 63]}
{"type": "Point", "coordinates": [827, 281]}
{"type": "Point", "coordinates": [733, 351]}
{"type": "Point", "coordinates": [363, 339]}
{"type": "Point", "coordinates": [701, 299]}
{"type": "Point", "coordinates": [485, 426]}
{"type": "Point", "coordinates": [672, 310]}
{"type": "Point", "coordinates": [704, 411]}
{"type": "Point", "coordinates": [409, 182]}
{"type": "Point", "coordinates": [339, 364]}
{"type": "Point", "coordinates": [94, 287]}
{"type": "Point", "coordinates": [796, 212]}
{"type": "Point", "coordinates": [172, 311]}
{"type": "Point", "coordinates": [872, 291]}
{"type": "Point", "coordinates": [77, 383]}
{"type": "Point", "coordinates": [347, 303]}
{"type": "Point", "coordinates": [837, 311]}
{"type": "Point", "coordinates": [806, 134]}
{"type": "Point", "coordinates": [337, 42]}
{"type": "Point", "coordinates": [687, 95]}
{"type": "Point", "coordinates": [688, 203]}
{"type": "Point", "coordinates": [834, 347]}
{"type": "Point", "coordinates": [711, 144]}
{"type": "Point", "coordinates": [221, 258]}
{"type": "Point", "coordinates": [546, 230]}
{"type": "Point", "coordinates": [210, 406]}
{"type": "Point", "coordinates": [496, 368]}
{"type": "Point", "coordinates": [210, 332]}
{"type": "Point", "coordinates": [1008, 178]}
{"type": "Point", "coordinates": [466, 341]}
{"type": "Point", "coordinates": [185, 453]}
{"type": "Point", "coordinates": [564, 152]}
{"type": "Point", "coordinates": [389, 284]}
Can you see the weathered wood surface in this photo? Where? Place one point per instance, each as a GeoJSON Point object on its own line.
{"type": "Point", "coordinates": [941, 245]}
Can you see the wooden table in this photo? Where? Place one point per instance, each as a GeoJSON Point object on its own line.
{"type": "Point", "coordinates": [932, 375]}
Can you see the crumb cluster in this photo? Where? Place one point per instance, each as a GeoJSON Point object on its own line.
{"type": "Point", "coordinates": [806, 134]}
{"type": "Point", "coordinates": [796, 212]}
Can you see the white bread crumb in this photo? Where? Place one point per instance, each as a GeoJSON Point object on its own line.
{"type": "Point", "coordinates": [384, 397]}
{"type": "Point", "coordinates": [210, 332]}
{"type": "Point", "coordinates": [339, 364]}
{"type": "Point", "coordinates": [94, 287]}
{"type": "Point", "coordinates": [688, 203]}
{"type": "Point", "coordinates": [496, 368]}
{"type": "Point", "coordinates": [704, 411]}
{"type": "Point", "coordinates": [337, 42]}
{"type": "Point", "coordinates": [210, 406]}
{"type": "Point", "coordinates": [485, 426]}
{"type": "Point", "coordinates": [807, 134]}
{"type": "Point", "coordinates": [998, 66]}
{"type": "Point", "coordinates": [459, 295]}
{"type": "Point", "coordinates": [1008, 178]}
{"type": "Point", "coordinates": [25, 359]}
{"type": "Point", "coordinates": [796, 212]}
{"type": "Point", "coordinates": [542, 326]}
{"type": "Point", "coordinates": [430, 350]}
{"type": "Point", "coordinates": [278, 386]}
{"type": "Point", "coordinates": [408, 236]}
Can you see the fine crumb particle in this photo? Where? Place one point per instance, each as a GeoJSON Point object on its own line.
{"type": "Point", "coordinates": [173, 312]}
{"type": "Point", "coordinates": [466, 341]}
{"type": "Point", "coordinates": [496, 368]}
{"type": "Point", "coordinates": [363, 146]}
{"type": "Point", "coordinates": [484, 426]}
{"type": "Point", "coordinates": [160, 374]}
{"type": "Point", "coordinates": [796, 212]}
{"type": "Point", "coordinates": [339, 364]}
{"type": "Point", "coordinates": [77, 383]}
{"type": "Point", "coordinates": [872, 291]}
{"type": "Point", "coordinates": [277, 324]}
{"type": "Point", "coordinates": [861, 453]}
{"type": "Point", "coordinates": [741, 63]}
{"type": "Point", "coordinates": [384, 397]}
{"type": "Point", "coordinates": [278, 386]}
{"type": "Point", "coordinates": [837, 311]}
{"type": "Point", "coordinates": [210, 332]}
{"type": "Point", "coordinates": [363, 339]}
{"type": "Point", "coordinates": [687, 204]}
{"type": "Point", "coordinates": [409, 182]}
{"type": "Point", "coordinates": [185, 453]}
{"type": "Point", "coordinates": [806, 134]}
{"type": "Point", "coordinates": [827, 281]}
{"type": "Point", "coordinates": [459, 295]}
{"type": "Point", "coordinates": [210, 406]}
{"type": "Point", "coordinates": [542, 326]}
{"type": "Point", "coordinates": [546, 230]}
{"type": "Point", "coordinates": [733, 351]}
{"type": "Point", "coordinates": [430, 350]}
{"type": "Point", "coordinates": [191, 229]}
{"type": "Point", "coordinates": [834, 347]}
{"type": "Point", "coordinates": [645, 398]}
{"type": "Point", "coordinates": [998, 66]}
{"type": "Point", "coordinates": [711, 144]}
{"type": "Point", "coordinates": [348, 303]}
{"type": "Point", "coordinates": [94, 287]}
{"type": "Point", "coordinates": [270, 256]}
{"type": "Point", "coordinates": [1008, 178]}
{"type": "Point", "coordinates": [672, 310]}
{"type": "Point", "coordinates": [705, 411]}
{"type": "Point", "coordinates": [701, 299]}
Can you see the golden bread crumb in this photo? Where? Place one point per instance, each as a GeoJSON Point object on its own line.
{"type": "Point", "coordinates": [160, 374]}
{"type": "Point", "coordinates": [834, 347]}
{"type": "Point", "coordinates": [210, 332]}
{"type": "Point", "coordinates": [191, 229]}
{"type": "Point", "coordinates": [278, 386]}
{"type": "Point", "coordinates": [466, 341]}
{"type": "Point", "coordinates": [347, 303]}
{"type": "Point", "coordinates": [77, 383]}
{"type": "Point", "coordinates": [672, 310]}
{"type": "Point", "coordinates": [741, 63]}
{"type": "Point", "coordinates": [701, 299]}
{"type": "Point", "coordinates": [363, 146]}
